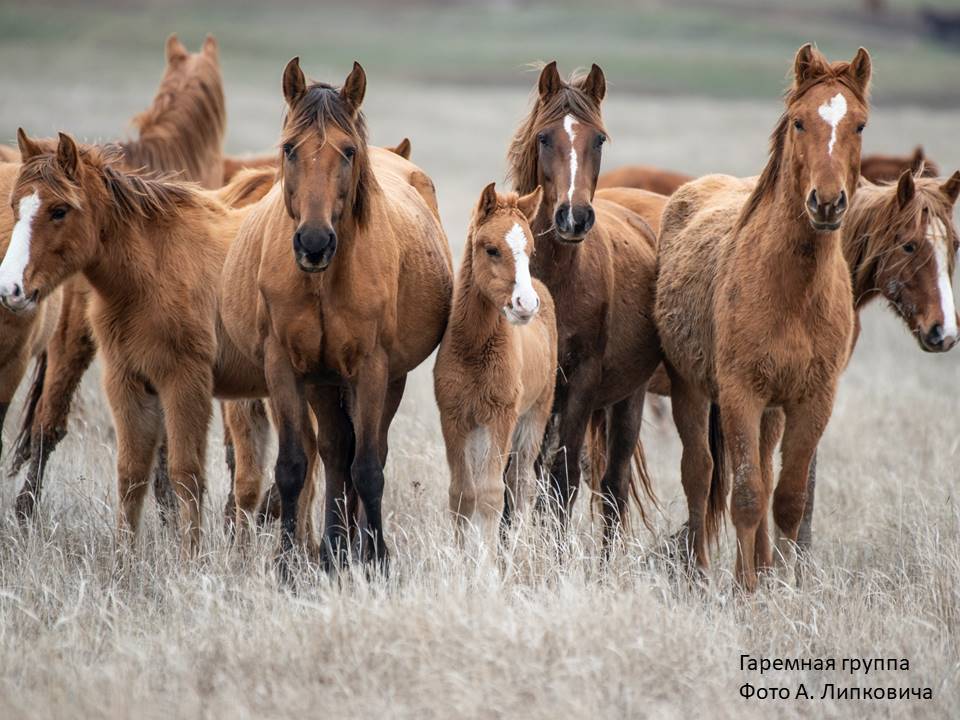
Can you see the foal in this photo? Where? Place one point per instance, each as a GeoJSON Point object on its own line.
{"type": "Point", "coordinates": [496, 365]}
{"type": "Point", "coordinates": [753, 304]}
{"type": "Point", "coordinates": [152, 252]}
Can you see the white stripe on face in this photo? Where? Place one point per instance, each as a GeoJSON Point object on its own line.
{"type": "Point", "coordinates": [568, 124]}
{"type": "Point", "coordinates": [937, 235]}
{"type": "Point", "coordinates": [525, 298]}
{"type": "Point", "coordinates": [18, 253]}
{"type": "Point", "coordinates": [832, 112]}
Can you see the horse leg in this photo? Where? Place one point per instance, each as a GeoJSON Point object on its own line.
{"type": "Point", "coordinates": [230, 457]}
{"type": "Point", "coordinates": [292, 420]}
{"type": "Point", "coordinates": [367, 409]}
{"type": "Point", "coordinates": [805, 424]}
{"type": "Point", "coordinates": [69, 353]}
{"type": "Point", "coordinates": [771, 429]}
{"type": "Point", "coordinates": [10, 376]}
{"type": "Point", "coordinates": [691, 415]}
{"type": "Point", "coordinates": [163, 493]}
{"type": "Point", "coordinates": [520, 472]}
{"type": "Point", "coordinates": [624, 433]}
{"type": "Point", "coordinates": [138, 421]}
{"type": "Point", "coordinates": [335, 442]}
{"type": "Point", "coordinates": [250, 432]}
{"type": "Point", "coordinates": [740, 416]}
{"type": "Point", "coordinates": [575, 413]}
{"type": "Point", "coordinates": [805, 533]}
{"type": "Point", "coordinates": [187, 400]}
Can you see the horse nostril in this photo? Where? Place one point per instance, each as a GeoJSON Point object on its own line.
{"type": "Point", "coordinates": [935, 336]}
{"type": "Point", "coordinates": [812, 201]}
{"type": "Point", "coordinates": [17, 291]}
{"type": "Point", "coordinates": [841, 203]}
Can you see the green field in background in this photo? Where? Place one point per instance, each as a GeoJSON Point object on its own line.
{"type": "Point", "coordinates": [726, 49]}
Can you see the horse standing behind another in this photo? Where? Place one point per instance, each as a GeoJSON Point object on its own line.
{"type": "Point", "coordinates": [496, 366]}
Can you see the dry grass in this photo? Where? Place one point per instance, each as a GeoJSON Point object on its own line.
{"type": "Point", "coordinates": [85, 632]}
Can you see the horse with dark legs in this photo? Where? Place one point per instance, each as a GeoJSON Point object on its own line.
{"type": "Point", "coordinates": [339, 285]}
{"type": "Point", "coordinates": [754, 312]}
{"type": "Point", "coordinates": [598, 260]}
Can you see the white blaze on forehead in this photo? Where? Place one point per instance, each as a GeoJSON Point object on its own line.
{"type": "Point", "coordinates": [568, 124]}
{"type": "Point", "coordinates": [524, 296]}
{"type": "Point", "coordinates": [937, 235]}
{"type": "Point", "coordinates": [832, 112]}
{"type": "Point", "coordinates": [18, 252]}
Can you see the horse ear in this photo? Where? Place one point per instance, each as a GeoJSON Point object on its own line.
{"type": "Point", "coordinates": [860, 69]}
{"type": "Point", "coordinates": [806, 64]}
{"type": "Point", "coordinates": [488, 202]}
{"type": "Point", "coordinates": [68, 156]}
{"type": "Point", "coordinates": [906, 188]}
{"type": "Point", "coordinates": [595, 84]}
{"type": "Point", "coordinates": [951, 188]}
{"type": "Point", "coordinates": [918, 161]}
{"type": "Point", "coordinates": [354, 87]}
{"type": "Point", "coordinates": [294, 82]}
{"type": "Point", "coordinates": [28, 148]}
{"type": "Point", "coordinates": [175, 50]}
{"type": "Point", "coordinates": [529, 204]}
{"type": "Point", "coordinates": [210, 46]}
{"type": "Point", "coordinates": [402, 149]}
{"type": "Point", "coordinates": [550, 82]}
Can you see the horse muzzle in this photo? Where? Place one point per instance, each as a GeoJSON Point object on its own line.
{"type": "Point", "coordinates": [14, 299]}
{"type": "Point", "coordinates": [935, 340]}
{"type": "Point", "coordinates": [314, 248]}
{"type": "Point", "coordinates": [573, 223]}
{"type": "Point", "coordinates": [826, 216]}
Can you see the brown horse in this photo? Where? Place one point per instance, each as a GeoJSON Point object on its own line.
{"type": "Point", "coordinates": [151, 250]}
{"type": "Point", "coordinates": [875, 168]}
{"type": "Point", "coordinates": [496, 366]}
{"type": "Point", "coordinates": [753, 305]}
{"type": "Point", "coordinates": [598, 260]}
{"type": "Point", "coordinates": [182, 133]}
{"type": "Point", "coordinates": [898, 241]}
{"type": "Point", "coordinates": [338, 285]}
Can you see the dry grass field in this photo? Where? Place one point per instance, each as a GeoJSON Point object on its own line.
{"type": "Point", "coordinates": [88, 632]}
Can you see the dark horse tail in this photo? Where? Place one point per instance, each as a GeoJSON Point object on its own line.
{"type": "Point", "coordinates": [640, 479]}
{"type": "Point", "coordinates": [719, 481]}
{"type": "Point", "coordinates": [22, 448]}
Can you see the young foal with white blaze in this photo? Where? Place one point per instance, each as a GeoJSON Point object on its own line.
{"type": "Point", "coordinates": [496, 366]}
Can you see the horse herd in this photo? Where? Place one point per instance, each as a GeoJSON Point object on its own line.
{"type": "Point", "coordinates": [316, 279]}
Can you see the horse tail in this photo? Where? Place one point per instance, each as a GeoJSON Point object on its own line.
{"type": "Point", "coordinates": [639, 477]}
{"type": "Point", "coordinates": [22, 446]}
{"type": "Point", "coordinates": [247, 186]}
{"type": "Point", "coordinates": [719, 482]}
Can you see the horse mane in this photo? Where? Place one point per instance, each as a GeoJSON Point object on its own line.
{"type": "Point", "coordinates": [767, 183]}
{"type": "Point", "coordinates": [321, 106]}
{"type": "Point", "coordinates": [876, 223]}
{"type": "Point", "coordinates": [131, 198]}
{"type": "Point", "coordinates": [570, 99]}
{"type": "Point", "coordinates": [183, 129]}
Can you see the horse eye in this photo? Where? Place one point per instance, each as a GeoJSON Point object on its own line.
{"type": "Point", "coordinates": [601, 139]}
{"type": "Point", "coordinates": [909, 247]}
{"type": "Point", "coordinates": [543, 139]}
{"type": "Point", "coordinates": [349, 152]}
{"type": "Point", "coordinates": [798, 124]}
{"type": "Point", "coordinates": [289, 151]}
{"type": "Point", "coordinates": [860, 128]}
{"type": "Point", "coordinates": [493, 252]}
{"type": "Point", "coordinates": [58, 213]}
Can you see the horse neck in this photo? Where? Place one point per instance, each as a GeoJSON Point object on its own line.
{"type": "Point", "coordinates": [121, 267]}
{"type": "Point", "coordinates": [793, 255]}
{"type": "Point", "coordinates": [859, 230]}
{"type": "Point", "coordinates": [477, 327]}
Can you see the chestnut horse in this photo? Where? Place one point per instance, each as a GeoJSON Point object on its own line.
{"type": "Point", "coordinates": [598, 260]}
{"type": "Point", "coordinates": [496, 366]}
{"type": "Point", "coordinates": [899, 241]}
{"type": "Point", "coordinates": [152, 251]}
{"type": "Point", "coordinates": [753, 305]}
{"type": "Point", "coordinates": [337, 286]}
{"type": "Point", "coordinates": [182, 132]}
